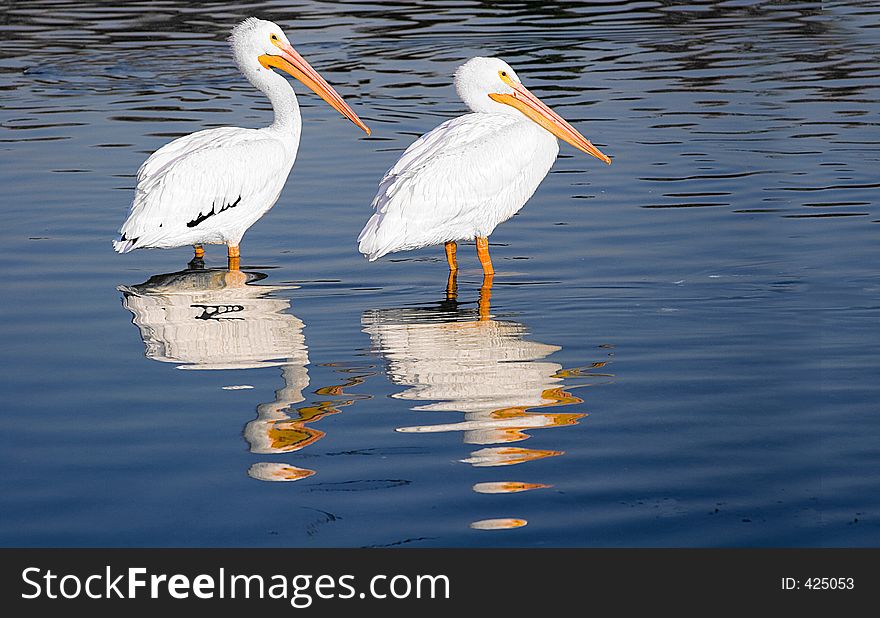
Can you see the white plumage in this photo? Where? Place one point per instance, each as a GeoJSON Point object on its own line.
{"type": "Point", "coordinates": [187, 195]}
{"type": "Point", "coordinates": [462, 179]}
{"type": "Point", "coordinates": [211, 186]}
{"type": "Point", "coordinates": [449, 185]}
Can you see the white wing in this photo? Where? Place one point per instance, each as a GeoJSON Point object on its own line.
{"type": "Point", "coordinates": [201, 183]}
{"type": "Point", "coordinates": [470, 172]}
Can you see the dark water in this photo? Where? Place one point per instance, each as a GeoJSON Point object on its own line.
{"type": "Point", "coordinates": [679, 350]}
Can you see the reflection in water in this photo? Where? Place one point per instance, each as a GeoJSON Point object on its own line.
{"type": "Point", "coordinates": [504, 523]}
{"type": "Point", "coordinates": [216, 319]}
{"type": "Point", "coordinates": [458, 358]}
{"type": "Point", "coordinates": [273, 431]}
{"type": "Point", "coordinates": [505, 487]}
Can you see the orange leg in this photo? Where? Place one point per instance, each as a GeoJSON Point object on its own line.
{"type": "Point", "coordinates": [450, 256]}
{"type": "Point", "coordinates": [483, 254]}
{"type": "Point", "coordinates": [233, 256]}
{"type": "Point", "coordinates": [485, 297]}
{"type": "Point", "coordinates": [452, 285]}
{"type": "Point", "coordinates": [199, 252]}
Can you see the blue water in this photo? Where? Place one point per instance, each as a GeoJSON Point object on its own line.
{"type": "Point", "coordinates": [679, 349]}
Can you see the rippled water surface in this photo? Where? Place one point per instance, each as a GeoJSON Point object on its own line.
{"type": "Point", "coordinates": [680, 349]}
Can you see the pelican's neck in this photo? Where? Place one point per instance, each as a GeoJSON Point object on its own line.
{"type": "Point", "coordinates": [279, 92]}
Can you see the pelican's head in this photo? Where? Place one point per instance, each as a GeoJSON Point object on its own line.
{"type": "Point", "coordinates": [491, 86]}
{"type": "Point", "coordinates": [261, 45]}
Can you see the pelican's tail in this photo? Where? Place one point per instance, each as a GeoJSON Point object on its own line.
{"type": "Point", "coordinates": [124, 245]}
{"type": "Point", "coordinates": [375, 240]}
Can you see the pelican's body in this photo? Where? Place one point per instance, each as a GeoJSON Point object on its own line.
{"type": "Point", "coordinates": [188, 194]}
{"type": "Point", "coordinates": [471, 173]}
{"type": "Point", "coordinates": [211, 186]}
{"type": "Point", "coordinates": [451, 185]}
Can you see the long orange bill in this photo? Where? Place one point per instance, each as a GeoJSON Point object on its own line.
{"type": "Point", "coordinates": [537, 111]}
{"type": "Point", "coordinates": [291, 62]}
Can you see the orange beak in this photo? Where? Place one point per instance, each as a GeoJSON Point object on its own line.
{"type": "Point", "coordinates": [291, 62]}
{"type": "Point", "coordinates": [537, 111]}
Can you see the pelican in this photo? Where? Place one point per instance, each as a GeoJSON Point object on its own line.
{"type": "Point", "coordinates": [209, 187]}
{"type": "Point", "coordinates": [462, 179]}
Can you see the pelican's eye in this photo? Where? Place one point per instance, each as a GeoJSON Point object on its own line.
{"type": "Point", "coordinates": [274, 37]}
{"type": "Point", "coordinates": [505, 77]}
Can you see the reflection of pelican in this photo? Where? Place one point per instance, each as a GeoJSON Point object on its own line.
{"type": "Point", "coordinates": [211, 186]}
{"type": "Point", "coordinates": [504, 523]}
{"type": "Point", "coordinates": [459, 360]}
{"type": "Point", "coordinates": [266, 471]}
{"type": "Point", "coordinates": [216, 319]}
{"type": "Point", "coordinates": [455, 359]}
{"type": "Point", "coordinates": [275, 431]}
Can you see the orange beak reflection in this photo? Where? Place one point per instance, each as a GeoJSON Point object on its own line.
{"type": "Point", "coordinates": [537, 111]}
{"type": "Point", "coordinates": [291, 62]}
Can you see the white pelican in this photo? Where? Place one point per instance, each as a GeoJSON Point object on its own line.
{"type": "Point", "coordinates": [471, 173]}
{"type": "Point", "coordinates": [209, 187]}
